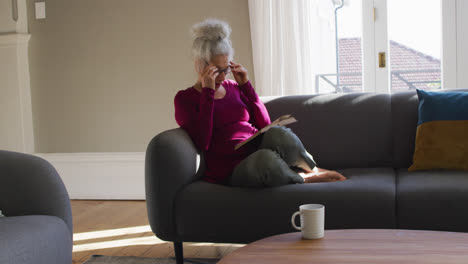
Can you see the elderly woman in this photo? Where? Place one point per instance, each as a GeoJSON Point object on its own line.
{"type": "Point", "coordinates": [219, 113]}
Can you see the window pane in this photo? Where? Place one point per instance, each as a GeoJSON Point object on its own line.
{"type": "Point", "coordinates": [349, 51]}
{"type": "Point", "coordinates": [414, 31]}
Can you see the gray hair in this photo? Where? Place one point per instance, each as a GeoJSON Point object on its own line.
{"type": "Point", "coordinates": [211, 38]}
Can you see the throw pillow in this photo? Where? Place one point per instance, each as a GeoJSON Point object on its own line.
{"type": "Point", "coordinates": [442, 132]}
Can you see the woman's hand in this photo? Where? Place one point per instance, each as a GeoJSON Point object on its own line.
{"type": "Point", "coordinates": [239, 72]}
{"type": "Point", "coordinates": [208, 76]}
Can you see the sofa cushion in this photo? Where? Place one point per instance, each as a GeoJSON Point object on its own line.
{"type": "Point", "coordinates": [441, 136]}
{"type": "Point", "coordinates": [404, 108]}
{"type": "Point", "coordinates": [357, 125]}
{"type": "Point", "coordinates": [35, 239]}
{"type": "Point", "coordinates": [432, 200]}
{"type": "Point", "coordinates": [208, 212]}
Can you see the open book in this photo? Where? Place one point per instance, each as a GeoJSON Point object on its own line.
{"type": "Point", "coordinates": [280, 121]}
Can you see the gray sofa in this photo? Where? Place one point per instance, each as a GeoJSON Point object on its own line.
{"type": "Point", "coordinates": [38, 227]}
{"type": "Point", "coordinates": [368, 137]}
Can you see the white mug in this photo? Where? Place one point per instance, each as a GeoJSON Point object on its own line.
{"type": "Point", "coordinates": [312, 220]}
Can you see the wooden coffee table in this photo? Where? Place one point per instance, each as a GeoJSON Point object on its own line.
{"type": "Point", "coordinates": [357, 246]}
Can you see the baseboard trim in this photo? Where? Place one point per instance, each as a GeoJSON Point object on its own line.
{"type": "Point", "coordinates": [101, 176]}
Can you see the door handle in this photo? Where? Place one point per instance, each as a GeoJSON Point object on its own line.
{"type": "Point", "coordinates": [381, 59]}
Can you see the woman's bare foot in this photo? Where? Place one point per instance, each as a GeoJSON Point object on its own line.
{"type": "Point", "coordinates": [321, 175]}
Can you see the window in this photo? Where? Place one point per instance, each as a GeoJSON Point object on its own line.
{"type": "Point", "coordinates": [407, 34]}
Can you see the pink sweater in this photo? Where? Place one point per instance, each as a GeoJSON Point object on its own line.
{"type": "Point", "coordinates": [217, 125]}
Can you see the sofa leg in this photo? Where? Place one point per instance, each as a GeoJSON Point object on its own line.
{"type": "Point", "coordinates": [179, 252]}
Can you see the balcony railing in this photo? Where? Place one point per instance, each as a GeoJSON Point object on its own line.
{"type": "Point", "coordinates": [347, 87]}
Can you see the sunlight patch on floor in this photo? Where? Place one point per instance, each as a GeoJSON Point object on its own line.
{"type": "Point", "coordinates": [111, 232]}
{"type": "Point", "coordinates": [149, 240]}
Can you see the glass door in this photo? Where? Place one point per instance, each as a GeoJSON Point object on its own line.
{"type": "Point", "coordinates": [391, 45]}
{"type": "Point", "coordinates": [349, 29]}
{"type": "Point", "coordinates": [347, 75]}
{"type": "Point", "coordinates": [415, 44]}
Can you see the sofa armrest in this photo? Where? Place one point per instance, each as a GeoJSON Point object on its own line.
{"type": "Point", "coordinates": [171, 163]}
{"type": "Point", "coordinates": [30, 185]}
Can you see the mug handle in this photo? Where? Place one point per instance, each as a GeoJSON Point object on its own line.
{"type": "Point", "coordinates": [293, 218]}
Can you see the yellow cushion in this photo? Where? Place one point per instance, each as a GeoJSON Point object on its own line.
{"type": "Point", "coordinates": [441, 145]}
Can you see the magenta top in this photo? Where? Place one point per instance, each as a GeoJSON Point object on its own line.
{"type": "Point", "coordinates": [217, 125]}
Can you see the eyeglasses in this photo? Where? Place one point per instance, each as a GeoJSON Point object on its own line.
{"type": "Point", "coordinates": [219, 71]}
{"type": "Point", "coordinates": [225, 71]}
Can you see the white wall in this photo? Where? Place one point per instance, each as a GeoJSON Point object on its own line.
{"type": "Point", "coordinates": [10, 108]}
{"type": "Point", "coordinates": [6, 21]}
{"type": "Point", "coordinates": [16, 129]}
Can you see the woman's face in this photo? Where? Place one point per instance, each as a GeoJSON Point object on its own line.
{"type": "Point", "coordinates": [222, 63]}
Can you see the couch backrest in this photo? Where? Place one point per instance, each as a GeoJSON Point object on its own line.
{"type": "Point", "coordinates": [354, 130]}
{"type": "Point", "coordinates": [341, 130]}
{"type": "Point", "coordinates": [404, 123]}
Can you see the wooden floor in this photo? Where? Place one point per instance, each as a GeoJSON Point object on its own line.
{"type": "Point", "coordinates": [120, 228]}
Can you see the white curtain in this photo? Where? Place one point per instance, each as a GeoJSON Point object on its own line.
{"type": "Point", "coordinates": [292, 42]}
